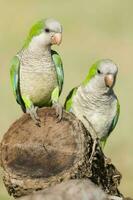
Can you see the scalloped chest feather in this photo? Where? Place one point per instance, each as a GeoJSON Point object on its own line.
{"type": "Point", "coordinates": [38, 77]}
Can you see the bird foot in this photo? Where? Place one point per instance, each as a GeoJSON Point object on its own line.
{"type": "Point", "coordinates": [59, 111]}
{"type": "Point", "coordinates": [33, 113]}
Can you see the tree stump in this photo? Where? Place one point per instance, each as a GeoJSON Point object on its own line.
{"type": "Point", "coordinates": [35, 158]}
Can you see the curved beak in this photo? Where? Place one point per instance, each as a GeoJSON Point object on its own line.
{"type": "Point", "coordinates": [56, 38]}
{"type": "Point", "coordinates": [109, 80]}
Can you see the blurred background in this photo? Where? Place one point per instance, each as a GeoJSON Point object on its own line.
{"type": "Point", "coordinates": [92, 30]}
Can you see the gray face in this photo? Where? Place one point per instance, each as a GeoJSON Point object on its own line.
{"type": "Point", "coordinates": [105, 77]}
{"type": "Point", "coordinates": [107, 67]}
{"type": "Point", "coordinates": [53, 26]}
{"type": "Point", "coordinates": [106, 74]}
{"type": "Point", "coordinates": [51, 35]}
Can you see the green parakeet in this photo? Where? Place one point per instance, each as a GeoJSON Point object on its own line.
{"type": "Point", "coordinates": [94, 101]}
{"type": "Point", "coordinates": [36, 71]}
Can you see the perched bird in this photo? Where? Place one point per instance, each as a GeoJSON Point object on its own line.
{"type": "Point", "coordinates": [36, 71]}
{"type": "Point", "coordinates": [94, 101]}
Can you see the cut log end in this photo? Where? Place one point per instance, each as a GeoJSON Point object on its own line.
{"type": "Point", "coordinates": [34, 158]}
{"type": "Point", "coordinates": [40, 152]}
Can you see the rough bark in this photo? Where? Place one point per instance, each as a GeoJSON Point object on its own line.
{"type": "Point", "coordinates": [35, 158]}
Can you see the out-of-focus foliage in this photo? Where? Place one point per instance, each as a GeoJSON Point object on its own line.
{"type": "Point", "coordinates": [92, 30]}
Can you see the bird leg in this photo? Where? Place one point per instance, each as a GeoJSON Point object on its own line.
{"type": "Point", "coordinates": [93, 150]}
{"type": "Point", "coordinates": [95, 139]}
{"type": "Point", "coordinates": [33, 113]}
{"type": "Point", "coordinates": [59, 110]}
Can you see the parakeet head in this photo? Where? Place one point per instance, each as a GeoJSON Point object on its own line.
{"type": "Point", "coordinates": [44, 33]}
{"type": "Point", "coordinates": [102, 75]}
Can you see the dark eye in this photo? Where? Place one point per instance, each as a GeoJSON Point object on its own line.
{"type": "Point", "coordinates": [47, 30]}
{"type": "Point", "coordinates": [98, 71]}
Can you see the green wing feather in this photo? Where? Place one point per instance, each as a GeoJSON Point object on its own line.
{"type": "Point", "coordinates": [115, 120]}
{"type": "Point", "coordinates": [69, 99]}
{"type": "Point", "coordinates": [113, 125]}
{"type": "Point", "coordinates": [59, 69]}
{"type": "Point", "coordinates": [15, 80]}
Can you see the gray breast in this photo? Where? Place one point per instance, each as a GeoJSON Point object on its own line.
{"type": "Point", "coordinates": [37, 77]}
{"type": "Point", "coordinates": [98, 109]}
